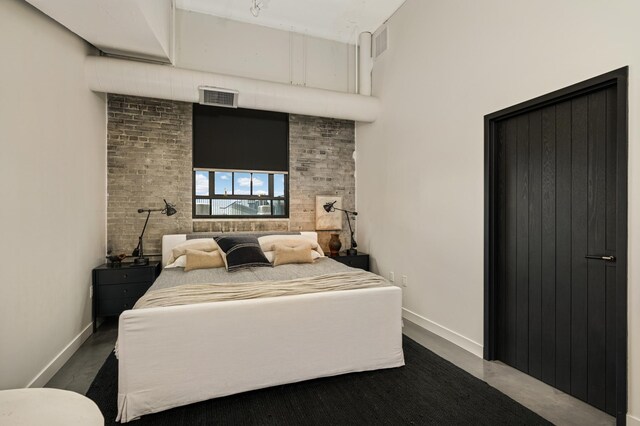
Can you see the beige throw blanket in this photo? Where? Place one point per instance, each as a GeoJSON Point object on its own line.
{"type": "Point", "coordinates": [203, 293]}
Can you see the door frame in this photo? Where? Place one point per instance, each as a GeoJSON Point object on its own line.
{"type": "Point", "coordinates": [619, 78]}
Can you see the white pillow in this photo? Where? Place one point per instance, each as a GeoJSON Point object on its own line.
{"type": "Point", "coordinates": [200, 244]}
{"type": "Point", "coordinates": [180, 262]}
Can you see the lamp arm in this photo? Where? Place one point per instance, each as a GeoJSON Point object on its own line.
{"type": "Point", "coordinates": [139, 249]}
{"type": "Point", "coordinates": [346, 211]}
{"type": "Point", "coordinates": [353, 240]}
{"type": "Point", "coordinates": [144, 228]}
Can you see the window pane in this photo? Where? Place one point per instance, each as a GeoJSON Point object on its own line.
{"type": "Point", "coordinates": [260, 184]}
{"type": "Point", "coordinates": [223, 183]}
{"type": "Point", "coordinates": [278, 185]}
{"type": "Point", "coordinates": [202, 183]}
{"type": "Point", "coordinates": [202, 207]}
{"type": "Point", "coordinates": [241, 207]}
{"type": "Point", "coordinates": [278, 207]}
{"type": "Point", "coordinates": [242, 184]}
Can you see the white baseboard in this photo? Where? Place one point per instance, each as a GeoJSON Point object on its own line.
{"type": "Point", "coordinates": [458, 339]}
{"type": "Point", "coordinates": [632, 421]}
{"type": "Point", "coordinates": [43, 377]}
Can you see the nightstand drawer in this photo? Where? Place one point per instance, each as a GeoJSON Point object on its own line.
{"type": "Point", "coordinates": [360, 260]}
{"type": "Point", "coordinates": [116, 291]}
{"type": "Point", "coordinates": [124, 275]}
{"type": "Point", "coordinates": [356, 262]}
{"type": "Point", "coordinates": [108, 307]}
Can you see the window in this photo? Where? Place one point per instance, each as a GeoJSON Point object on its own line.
{"type": "Point", "coordinates": [240, 163]}
{"type": "Point", "coordinates": [239, 193]}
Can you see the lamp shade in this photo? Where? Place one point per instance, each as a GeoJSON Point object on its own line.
{"type": "Point", "coordinates": [169, 209]}
{"type": "Point", "coordinates": [326, 217]}
{"type": "Point", "coordinates": [329, 206]}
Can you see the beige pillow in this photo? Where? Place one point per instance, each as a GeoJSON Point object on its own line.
{"type": "Point", "coordinates": [270, 254]}
{"type": "Point", "coordinates": [203, 260]}
{"type": "Point", "coordinates": [268, 241]}
{"type": "Point", "coordinates": [284, 254]}
{"type": "Point", "coordinates": [200, 244]}
{"type": "Point", "coordinates": [287, 243]}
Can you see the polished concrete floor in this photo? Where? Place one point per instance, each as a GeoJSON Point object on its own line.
{"type": "Point", "coordinates": [552, 404]}
{"type": "Point", "coordinates": [78, 373]}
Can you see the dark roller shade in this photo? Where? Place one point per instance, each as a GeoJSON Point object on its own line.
{"type": "Point", "coordinates": [240, 139]}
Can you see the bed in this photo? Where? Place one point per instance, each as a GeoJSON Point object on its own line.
{"type": "Point", "coordinates": [176, 355]}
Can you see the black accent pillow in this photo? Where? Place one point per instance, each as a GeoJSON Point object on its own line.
{"type": "Point", "coordinates": [241, 252]}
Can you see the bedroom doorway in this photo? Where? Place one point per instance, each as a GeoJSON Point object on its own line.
{"type": "Point", "coordinates": [556, 239]}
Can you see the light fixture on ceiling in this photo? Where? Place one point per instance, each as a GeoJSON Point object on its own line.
{"type": "Point", "coordinates": [256, 7]}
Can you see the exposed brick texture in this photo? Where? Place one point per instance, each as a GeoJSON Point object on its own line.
{"type": "Point", "coordinates": [149, 158]}
{"type": "Point", "coordinates": [240, 225]}
{"type": "Point", "coordinates": [321, 163]}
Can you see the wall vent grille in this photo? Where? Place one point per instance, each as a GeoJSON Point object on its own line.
{"type": "Point", "coordinates": [219, 97]}
{"type": "Point", "coordinates": [380, 41]}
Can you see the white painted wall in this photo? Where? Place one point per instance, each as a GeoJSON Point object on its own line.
{"type": "Point", "coordinates": [137, 28]}
{"type": "Point", "coordinates": [159, 17]}
{"type": "Point", "coordinates": [208, 43]}
{"type": "Point", "coordinates": [53, 186]}
{"type": "Point", "coordinates": [420, 165]}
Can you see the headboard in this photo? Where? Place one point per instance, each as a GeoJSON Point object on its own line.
{"type": "Point", "coordinates": [169, 241]}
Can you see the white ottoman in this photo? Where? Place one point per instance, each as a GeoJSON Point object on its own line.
{"type": "Point", "coordinates": [55, 407]}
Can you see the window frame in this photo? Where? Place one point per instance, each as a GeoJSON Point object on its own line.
{"type": "Point", "coordinates": [213, 196]}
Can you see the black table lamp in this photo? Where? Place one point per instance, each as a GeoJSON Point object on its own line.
{"type": "Point", "coordinates": [329, 207]}
{"type": "Point", "coordinates": [138, 252]}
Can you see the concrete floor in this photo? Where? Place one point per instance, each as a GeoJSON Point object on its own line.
{"type": "Point", "coordinates": [552, 404]}
{"type": "Point", "coordinates": [78, 373]}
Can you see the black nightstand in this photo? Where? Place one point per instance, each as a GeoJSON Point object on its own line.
{"type": "Point", "coordinates": [360, 260]}
{"type": "Point", "coordinates": [116, 289]}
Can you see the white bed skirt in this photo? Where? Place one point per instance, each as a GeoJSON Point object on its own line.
{"type": "Point", "coordinates": [173, 356]}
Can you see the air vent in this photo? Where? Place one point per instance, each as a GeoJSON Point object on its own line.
{"type": "Point", "coordinates": [380, 41]}
{"type": "Point", "coordinates": [218, 97]}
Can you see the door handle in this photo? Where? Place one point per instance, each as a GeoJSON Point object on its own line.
{"type": "Point", "coordinates": [605, 258]}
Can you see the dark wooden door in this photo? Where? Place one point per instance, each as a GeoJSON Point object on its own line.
{"type": "Point", "coordinates": [556, 181]}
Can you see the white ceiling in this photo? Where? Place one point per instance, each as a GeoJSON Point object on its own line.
{"type": "Point", "coordinates": [340, 20]}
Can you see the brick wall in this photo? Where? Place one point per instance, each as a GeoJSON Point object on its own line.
{"type": "Point", "coordinates": [149, 158]}
{"type": "Point", "coordinates": [321, 163]}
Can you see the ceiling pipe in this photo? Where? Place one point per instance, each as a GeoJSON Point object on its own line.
{"type": "Point", "coordinates": [365, 64]}
{"type": "Point", "coordinates": [133, 78]}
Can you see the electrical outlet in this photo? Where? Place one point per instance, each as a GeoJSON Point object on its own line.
{"type": "Point", "coordinates": [392, 277]}
{"type": "Point", "coordinates": [90, 292]}
{"type": "Point", "coordinates": [404, 281]}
